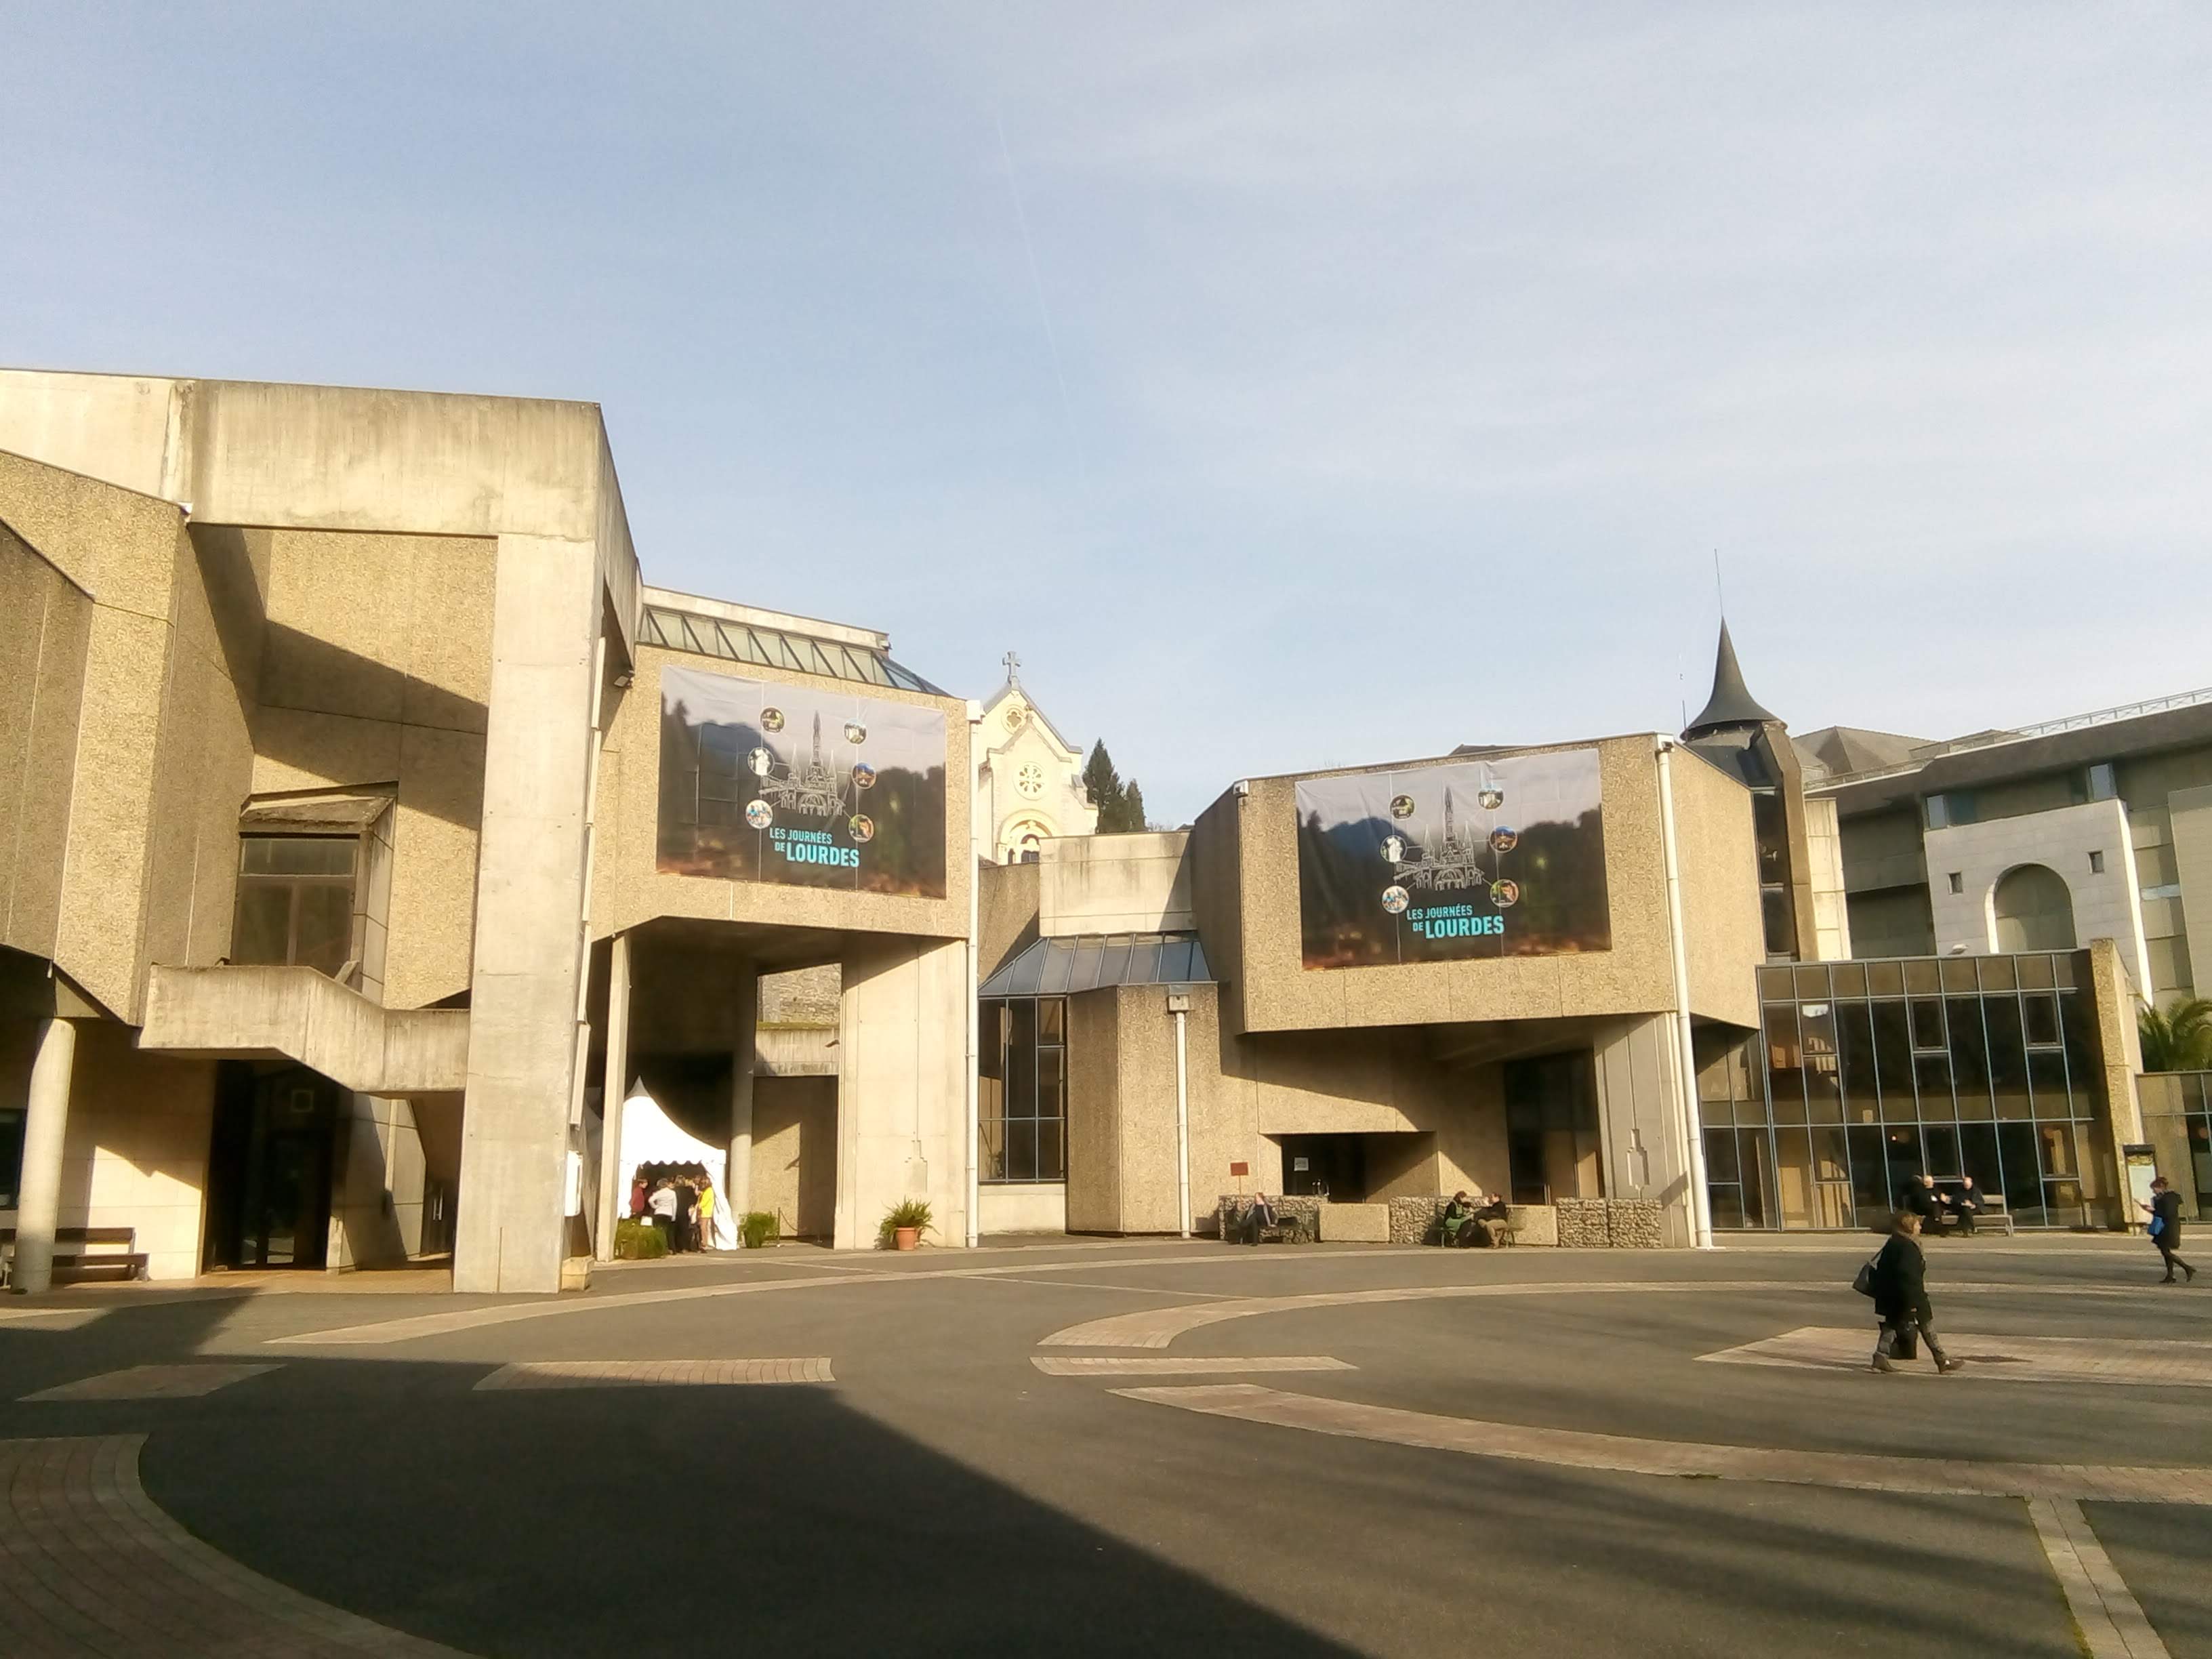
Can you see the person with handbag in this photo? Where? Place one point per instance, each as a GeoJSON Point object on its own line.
{"type": "Point", "coordinates": [1897, 1278]}
{"type": "Point", "coordinates": [2165, 1207]}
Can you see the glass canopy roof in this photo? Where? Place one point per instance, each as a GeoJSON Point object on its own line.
{"type": "Point", "coordinates": [1083, 962]}
{"type": "Point", "coordinates": [774, 647]}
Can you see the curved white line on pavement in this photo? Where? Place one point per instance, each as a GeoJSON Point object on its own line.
{"type": "Point", "coordinates": [1155, 1327]}
{"type": "Point", "coordinates": [1628, 1455]}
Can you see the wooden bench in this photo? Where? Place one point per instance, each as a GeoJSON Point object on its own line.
{"type": "Point", "coordinates": [81, 1266]}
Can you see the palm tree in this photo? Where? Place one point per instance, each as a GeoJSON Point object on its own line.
{"type": "Point", "coordinates": [2178, 1038]}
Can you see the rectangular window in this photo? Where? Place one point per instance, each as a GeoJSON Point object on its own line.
{"type": "Point", "coordinates": [1958, 881]}
{"type": "Point", "coordinates": [294, 906]}
{"type": "Point", "coordinates": [11, 1157]}
{"type": "Point", "coordinates": [1021, 1099]}
{"type": "Point", "coordinates": [2103, 786]}
{"type": "Point", "coordinates": [2096, 864]}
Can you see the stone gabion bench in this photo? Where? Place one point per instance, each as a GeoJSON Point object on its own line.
{"type": "Point", "coordinates": [1417, 1221]}
{"type": "Point", "coordinates": [1230, 1209]}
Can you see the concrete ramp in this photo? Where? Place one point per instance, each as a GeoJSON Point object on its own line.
{"type": "Point", "coordinates": [296, 1013]}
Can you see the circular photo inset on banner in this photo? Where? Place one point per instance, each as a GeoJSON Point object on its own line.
{"type": "Point", "coordinates": [1401, 806]}
{"type": "Point", "coordinates": [863, 828]}
{"type": "Point", "coordinates": [1492, 799]}
{"type": "Point", "coordinates": [1504, 840]}
{"type": "Point", "coordinates": [1504, 893]}
{"type": "Point", "coordinates": [855, 732]}
{"type": "Point", "coordinates": [864, 776]}
{"type": "Point", "coordinates": [760, 815]}
{"type": "Point", "coordinates": [1395, 900]}
{"type": "Point", "coordinates": [760, 760]}
{"type": "Point", "coordinates": [771, 720]}
{"type": "Point", "coordinates": [1394, 848]}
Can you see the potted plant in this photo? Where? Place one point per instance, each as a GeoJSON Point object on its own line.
{"type": "Point", "coordinates": [759, 1229]}
{"type": "Point", "coordinates": [904, 1223]}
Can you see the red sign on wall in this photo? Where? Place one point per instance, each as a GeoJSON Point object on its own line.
{"type": "Point", "coordinates": [1240, 1168]}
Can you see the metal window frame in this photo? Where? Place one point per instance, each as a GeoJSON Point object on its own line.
{"type": "Point", "coordinates": [1033, 1116]}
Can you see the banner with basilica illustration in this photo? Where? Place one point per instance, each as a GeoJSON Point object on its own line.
{"type": "Point", "coordinates": [1486, 858]}
{"type": "Point", "coordinates": [804, 786]}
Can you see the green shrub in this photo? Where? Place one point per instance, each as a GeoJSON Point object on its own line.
{"type": "Point", "coordinates": [913, 1212]}
{"type": "Point", "coordinates": [759, 1227]}
{"type": "Point", "coordinates": [638, 1241]}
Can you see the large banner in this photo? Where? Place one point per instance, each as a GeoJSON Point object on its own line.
{"type": "Point", "coordinates": [1488, 858]}
{"type": "Point", "coordinates": [783, 783]}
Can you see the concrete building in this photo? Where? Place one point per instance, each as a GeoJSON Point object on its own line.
{"type": "Point", "coordinates": [2094, 826]}
{"type": "Point", "coordinates": [360, 791]}
{"type": "Point", "coordinates": [375, 832]}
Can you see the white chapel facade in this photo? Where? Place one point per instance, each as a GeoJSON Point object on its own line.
{"type": "Point", "coordinates": [1028, 778]}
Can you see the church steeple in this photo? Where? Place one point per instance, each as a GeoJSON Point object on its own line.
{"type": "Point", "coordinates": [1731, 703]}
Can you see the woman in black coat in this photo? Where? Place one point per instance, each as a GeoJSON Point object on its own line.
{"type": "Point", "coordinates": [1900, 1294]}
{"type": "Point", "coordinates": [2165, 1207]}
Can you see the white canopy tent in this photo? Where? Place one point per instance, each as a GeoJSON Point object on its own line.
{"type": "Point", "coordinates": [649, 1135]}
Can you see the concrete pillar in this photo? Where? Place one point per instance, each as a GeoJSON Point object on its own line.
{"type": "Point", "coordinates": [902, 1095]}
{"type": "Point", "coordinates": [531, 877]}
{"type": "Point", "coordinates": [45, 1126]}
{"type": "Point", "coordinates": [614, 1091]}
{"type": "Point", "coordinates": [739, 1183]}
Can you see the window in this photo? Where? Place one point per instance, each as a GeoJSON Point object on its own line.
{"type": "Point", "coordinates": [295, 901]}
{"type": "Point", "coordinates": [1958, 881]}
{"type": "Point", "coordinates": [11, 1159]}
{"type": "Point", "coordinates": [1021, 1094]}
{"type": "Point", "coordinates": [1551, 1141]}
{"type": "Point", "coordinates": [2096, 864]}
{"type": "Point", "coordinates": [2102, 784]}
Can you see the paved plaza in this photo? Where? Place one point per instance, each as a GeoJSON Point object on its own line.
{"type": "Point", "coordinates": [1157, 1447]}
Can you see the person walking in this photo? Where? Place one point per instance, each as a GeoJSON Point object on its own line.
{"type": "Point", "coordinates": [2165, 1207]}
{"type": "Point", "coordinates": [1897, 1278]}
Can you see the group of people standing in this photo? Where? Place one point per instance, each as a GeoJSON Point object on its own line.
{"type": "Point", "coordinates": [681, 1206]}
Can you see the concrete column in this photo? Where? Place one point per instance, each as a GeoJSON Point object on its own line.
{"type": "Point", "coordinates": [901, 1094]}
{"type": "Point", "coordinates": [45, 1126]}
{"type": "Point", "coordinates": [614, 1092]}
{"type": "Point", "coordinates": [739, 1184]}
{"type": "Point", "coordinates": [531, 877]}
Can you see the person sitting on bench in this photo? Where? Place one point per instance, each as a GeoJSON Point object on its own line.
{"type": "Point", "coordinates": [1965, 1203]}
{"type": "Point", "coordinates": [1453, 1222]}
{"type": "Point", "coordinates": [1493, 1222]}
{"type": "Point", "coordinates": [1258, 1218]}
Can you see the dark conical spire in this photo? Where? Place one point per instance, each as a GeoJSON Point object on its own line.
{"type": "Point", "coordinates": [1731, 703]}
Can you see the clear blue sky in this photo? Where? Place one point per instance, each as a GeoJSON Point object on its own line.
{"type": "Point", "coordinates": [1289, 385]}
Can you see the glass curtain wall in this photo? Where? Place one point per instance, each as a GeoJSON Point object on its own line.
{"type": "Point", "coordinates": [1866, 1073]}
{"type": "Point", "coordinates": [2177, 1120]}
{"type": "Point", "coordinates": [1021, 1089]}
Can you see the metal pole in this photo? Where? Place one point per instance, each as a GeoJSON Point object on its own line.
{"type": "Point", "coordinates": [1182, 1129]}
{"type": "Point", "coordinates": [1694, 1140]}
{"type": "Point", "coordinates": [974, 964]}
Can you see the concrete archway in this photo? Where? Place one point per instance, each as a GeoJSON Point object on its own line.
{"type": "Point", "coordinates": [2032, 909]}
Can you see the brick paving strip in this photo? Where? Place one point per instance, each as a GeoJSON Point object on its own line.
{"type": "Point", "coordinates": [2111, 1623]}
{"type": "Point", "coordinates": [152, 1382]}
{"type": "Point", "coordinates": [1117, 1366]}
{"type": "Point", "coordinates": [89, 1565]}
{"type": "Point", "coordinates": [654, 1373]}
{"type": "Point", "coordinates": [1155, 1327]}
{"type": "Point", "coordinates": [1994, 1358]}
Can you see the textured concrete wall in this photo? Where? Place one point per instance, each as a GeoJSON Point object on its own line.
{"type": "Point", "coordinates": [1022, 1206]}
{"type": "Point", "coordinates": [627, 890]}
{"type": "Point", "coordinates": [1006, 914]}
{"type": "Point", "coordinates": [2105, 902]}
{"type": "Point", "coordinates": [137, 1148]}
{"type": "Point", "coordinates": [795, 1153]}
{"type": "Point", "coordinates": [1278, 993]}
{"type": "Point", "coordinates": [1640, 1119]}
{"type": "Point", "coordinates": [376, 1186]}
{"type": "Point", "coordinates": [378, 670]}
{"type": "Point", "coordinates": [1134, 884]}
{"type": "Point", "coordinates": [1094, 1112]}
{"type": "Point", "coordinates": [310, 1018]}
{"type": "Point", "coordinates": [1715, 852]}
{"type": "Point", "coordinates": [1823, 852]}
{"type": "Point", "coordinates": [903, 1087]}
{"type": "Point", "coordinates": [42, 655]}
